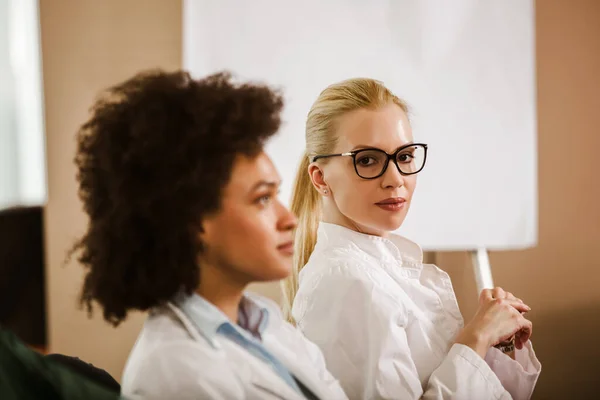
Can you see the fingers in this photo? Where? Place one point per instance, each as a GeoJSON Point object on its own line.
{"type": "Point", "coordinates": [485, 296]}
{"type": "Point", "coordinates": [523, 335]}
{"type": "Point", "coordinates": [524, 327]}
{"type": "Point", "coordinates": [516, 304]}
{"type": "Point", "coordinates": [526, 331]}
{"type": "Point", "coordinates": [520, 306]}
{"type": "Point", "coordinates": [502, 319]}
{"type": "Point", "coordinates": [498, 293]}
{"type": "Point", "coordinates": [511, 296]}
{"type": "Point", "coordinates": [519, 342]}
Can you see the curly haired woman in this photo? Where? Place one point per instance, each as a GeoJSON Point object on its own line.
{"type": "Point", "coordinates": [183, 215]}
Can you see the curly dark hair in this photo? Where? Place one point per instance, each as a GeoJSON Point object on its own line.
{"type": "Point", "coordinates": [152, 161]}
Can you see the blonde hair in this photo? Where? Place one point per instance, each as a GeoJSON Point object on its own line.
{"type": "Point", "coordinates": [333, 102]}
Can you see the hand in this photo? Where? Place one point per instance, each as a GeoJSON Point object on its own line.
{"type": "Point", "coordinates": [495, 321]}
{"type": "Point", "coordinates": [499, 293]}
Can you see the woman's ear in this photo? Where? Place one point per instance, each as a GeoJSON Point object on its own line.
{"type": "Point", "coordinates": [317, 176]}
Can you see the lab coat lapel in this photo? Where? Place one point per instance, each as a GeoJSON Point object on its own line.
{"type": "Point", "coordinates": [260, 375]}
{"type": "Point", "coordinates": [303, 372]}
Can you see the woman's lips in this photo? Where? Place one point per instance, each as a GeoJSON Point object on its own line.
{"type": "Point", "coordinates": [392, 204]}
{"type": "Point", "coordinates": [286, 248]}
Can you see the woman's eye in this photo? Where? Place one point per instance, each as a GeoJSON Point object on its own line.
{"type": "Point", "coordinates": [264, 200]}
{"type": "Point", "coordinates": [405, 158]}
{"type": "Point", "coordinates": [365, 161]}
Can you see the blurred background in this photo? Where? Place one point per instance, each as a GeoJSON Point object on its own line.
{"type": "Point", "coordinates": [56, 55]}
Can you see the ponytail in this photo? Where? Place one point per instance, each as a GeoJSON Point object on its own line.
{"type": "Point", "coordinates": [306, 205]}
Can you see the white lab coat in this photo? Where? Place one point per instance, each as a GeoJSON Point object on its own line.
{"type": "Point", "coordinates": [171, 360]}
{"type": "Point", "coordinates": [386, 324]}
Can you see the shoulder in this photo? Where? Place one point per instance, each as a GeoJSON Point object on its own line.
{"type": "Point", "coordinates": [340, 263]}
{"type": "Point", "coordinates": [344, 287]}
{"type": "Point", "coordinates": [167, 362]}
{"type": "Point", "coordinates": [178, 370]}
{"type": "Point", "coordinates": [165, 338]}
{"type": "Point", "coordinates": [162, 327]}
{"type": "Point", "coordinates": [339, 274]}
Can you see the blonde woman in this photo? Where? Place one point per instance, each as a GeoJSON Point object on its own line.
{"type": "Point", "coordinates": [388, 325]}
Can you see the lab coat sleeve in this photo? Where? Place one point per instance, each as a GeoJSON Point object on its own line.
{"type": "Point", "coordinates": [518, 376]}
{"type": "Point", "coordinates": [362, 334]}
{"type": "Point", "coordinates": [181, 371]}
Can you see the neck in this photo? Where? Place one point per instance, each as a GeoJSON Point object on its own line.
{"type": "Point", "coordinates": [332, 215]}
{"type": "Point", "coordinates": [219, 288]}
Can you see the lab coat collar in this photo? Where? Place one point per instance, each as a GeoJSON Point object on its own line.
{"type": "Point", "coordinates": [253, 317]}
{"type": "Point", "coordinates": [394, 247]}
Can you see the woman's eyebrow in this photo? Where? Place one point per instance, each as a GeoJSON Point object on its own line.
{"type": "Point", "coordinates": [265, 183]}
{"type": "Point", "coordinates": [362, 146]}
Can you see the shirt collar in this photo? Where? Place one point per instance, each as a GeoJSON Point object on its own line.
{"type": "Point", "coordinates": [253, 317]}
{"type": "Point", "coordinates": [394, 247]}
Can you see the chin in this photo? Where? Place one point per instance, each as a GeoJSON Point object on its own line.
{"type": "Point", "coordinates": [274, 272]}
{"type": "Point", "coordinates": [389, 224]}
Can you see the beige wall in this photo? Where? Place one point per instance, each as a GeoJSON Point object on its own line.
{"type": "Point", "coordinates": [88, 45]}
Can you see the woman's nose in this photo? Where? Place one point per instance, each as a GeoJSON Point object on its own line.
{"type": "Point", "coordinates": [287, 220]}
{"type": "Point", "coordinates": [392, 177]}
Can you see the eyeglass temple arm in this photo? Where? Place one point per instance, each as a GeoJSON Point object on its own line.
{"type": "Point", "coordinates": [315, 158]}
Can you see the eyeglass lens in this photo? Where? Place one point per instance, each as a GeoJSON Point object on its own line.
{"type": "Point", "coordinates": [370, 163]}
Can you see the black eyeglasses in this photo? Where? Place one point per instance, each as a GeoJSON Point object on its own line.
{"type": "Point", "coordinates": [372, 163]}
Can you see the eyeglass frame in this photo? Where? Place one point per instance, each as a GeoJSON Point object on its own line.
{"type": "Point", "coordinates": [392, 157]}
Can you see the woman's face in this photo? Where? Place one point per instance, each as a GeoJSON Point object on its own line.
{"type": "Point", "coordinates": [250, 236]}
{"type": "Point", "coordinates": [373, 206]}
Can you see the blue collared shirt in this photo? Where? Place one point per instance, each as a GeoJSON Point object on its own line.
{"type": "Point", "coordinates": [253, 319]}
